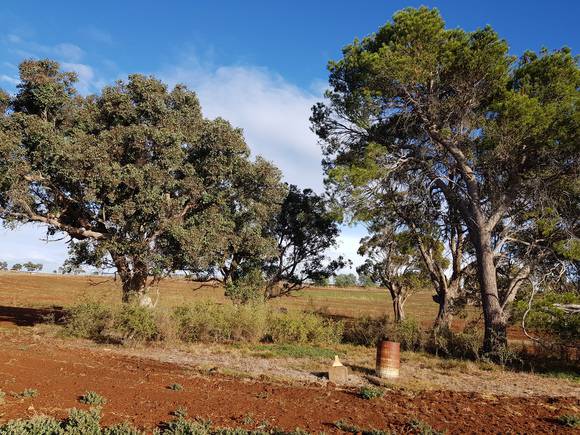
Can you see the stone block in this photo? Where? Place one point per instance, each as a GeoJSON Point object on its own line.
{"type": "Point", "coordinates": [338, 374]}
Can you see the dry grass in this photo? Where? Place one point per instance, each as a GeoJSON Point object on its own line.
{"type": "Point", "coordinates": [18, 289]}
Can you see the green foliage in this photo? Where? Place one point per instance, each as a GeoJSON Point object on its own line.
{"type": "Point", "coordinates": [135, 175]}
{"type": "Point", "coordinates": [349, 428]}
{"type": "Point", "coordinates": [88, 320]}
{"type": "Point", "coordinates": [345, 280]}
{"type": "Point", "coordinates": [29, 392]}
{"type": "Point", "coordinates": [209, 321]}
{"type": "Point", "coordinates": [420, 427]}
{"type": "Point", "coordinates": [544, 317]}
{"type": "Point", "coordinates": [433, 129]}
{"type": "Point", "coordinates": [569, 420]}
{"type": "Point", "coordinates": [369, 393]}
{"type": "Point", "coordinates": [92, 398]}
{"type": "Point", "coordinates": [37, 425]}
{"type": "Point", "coordinates": [466, 344]}
{"type": "Point", "coordinates": [304, 230]}
{"type": "Point", "coordinates": [408, 333]}
{"type": "Point", "coordinates": [175, 387]}
{"type": "Point", "coordinates": [136, 323]}
{"type": "Point", "coordinates": [3, 266]}
{"type": "Point", "coordinates": [182, 426]}
{"type": "Point", "coordinates": [301, 327]}
{"type": "Point", "coordinates": [249, 288]}
{"type": "Point", "coordinates": [366, 330]}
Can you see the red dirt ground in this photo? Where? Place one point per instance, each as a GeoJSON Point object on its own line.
{"type": "Point", "coordinates": [136, 390]}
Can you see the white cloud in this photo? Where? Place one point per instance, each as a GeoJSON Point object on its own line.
{"type": "Point", "coordinates": [98, 35]}
{"type": "Point", "coordinates": [12, 80]}
{"type": "Point", "coordinates": [85, 75]}
{"type": "Point", "coordinates": [67, 52]}
{"type": "Point", "coordinates": [272, 112]}
{"type": "Point", "coordinates": [64, 51]}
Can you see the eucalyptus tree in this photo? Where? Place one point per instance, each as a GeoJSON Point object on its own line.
{"type": "Point", "coordinates": [272, 238]}
{"type": "Point", "coordinates": [125, 174]}
{"type": "Point", "coordinates": [304, 230]}
{"type": "Point", "coordinates": [394, 262]}
{"type": "Point", "coordinates": [496, 136]}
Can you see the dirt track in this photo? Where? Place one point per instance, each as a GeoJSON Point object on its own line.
{"type": "Point", "coordinates": [136, 389]}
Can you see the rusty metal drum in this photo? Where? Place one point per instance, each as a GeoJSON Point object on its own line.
{"type": "Point", "coordinates": [388, 359]}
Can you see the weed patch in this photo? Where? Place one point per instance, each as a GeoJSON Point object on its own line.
{"type": "Point", "coordinates": [92, 398]}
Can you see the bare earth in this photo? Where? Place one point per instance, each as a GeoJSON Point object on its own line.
{"type": "Point", "coordinates": [272, 391]}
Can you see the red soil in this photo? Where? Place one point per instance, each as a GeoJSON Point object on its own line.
{"type": "Point", "coordinates": [136, 390]}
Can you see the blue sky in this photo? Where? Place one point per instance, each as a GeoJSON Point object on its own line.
{"type": "Point", "coordinates": [260, 64]}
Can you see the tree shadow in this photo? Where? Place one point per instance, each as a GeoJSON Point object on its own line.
{"type": "Point", "coordinates": [24, 316]}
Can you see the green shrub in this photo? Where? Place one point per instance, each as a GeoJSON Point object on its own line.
{"type": "Point", "coordinates": [420, 427]}
{"type": "Point", "coordinates": [92, 398]}
{"type": "Point", "coordinates": [37, 425]}
{"type": "Point", "coordinates": [301, 327]}
{"type": "Point", "coordinates": [570, 420]}
{"type": "Point", "coordinates": [545, 318]}
{"type": "Point", "coordinates": [88, 320]}
{"type": "Point", "coordinates": [134, 322]}
{"type": "Point", "coordinates": [350, 428]}
{"type": "Point", "coordinates": [366, 331]}
{"type": "Point", "coordinates": [29, 392]}
{"type": "Point", "coordinates": [182, 426]}
{"type": "Point", "coordinates": [369, 393]}
{"type": "Point", "coordinates": [408, 333]}
{"type": "Point", "coordinates": [175, 387]}
{"type": "Point", "coordinates": [210, 321]}
{"type": "Point", "coordinates": [121, 429]}
{"type": "Point", "coordinates": [247, 289]}
{"type": "Point", "coordinates": [466, 344]}
{"type": "Point", "coordinates": [83, 422]}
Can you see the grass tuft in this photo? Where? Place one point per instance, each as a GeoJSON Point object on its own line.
{"type": "Point", "coordinates": [369, 393]}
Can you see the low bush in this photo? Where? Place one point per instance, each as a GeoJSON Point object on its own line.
{"type": "Point", "coordinates": [466, 344]}
{"type": "Point", "coordinates": [301, 327]}
{"type": "Point", "coordinates": [210, 321]}
{"type": "Point", "coordinates": [570, 420]}
{"type": "Point", "coordinates": [546, 318]}
{"type": "Point", "coordinates": [136, 323]}
{"type": "Point", "coordinates": [369, 393]}
{"type": "Point", "coordinates": [92, 398]}
{"type": "Point", "coordinates": [89, 319]}
{"type": "Point", "coordinates": [408, 333]}
{"type": "Point", "coordinates": [366, 330]}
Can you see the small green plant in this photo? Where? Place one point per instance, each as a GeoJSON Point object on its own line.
{"type": "Point", "coordinates": [422, 428]}
{"type": "Point", "coordinates": [2, 396]}
{"type": "Point", "coordinates": [346, 427]}
{"type": "Point", "coordinates": [92, 398]}
{"type": "Point", "coordinates": [369, 393]}
{"type": "Point", "coordinates": [175, 387]}
{"type": "Point", "coordinates": [570, 420]}
{"type": "Point", "coordinates": [29, 392]}
{"type": "Point", "coordinates": [180, 412]}
{"type": "Point", "coordinates": [248, 419]}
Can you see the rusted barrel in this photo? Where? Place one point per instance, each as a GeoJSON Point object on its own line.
{"type": "Point", "coordinates": [388, 359]}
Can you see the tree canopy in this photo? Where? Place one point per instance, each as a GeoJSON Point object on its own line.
{"type": "Point", "coordinates": [494, 138]}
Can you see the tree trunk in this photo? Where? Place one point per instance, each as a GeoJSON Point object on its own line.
{"type": "Point", "coordinates": [445, 298]}
{"type": "Point", "coordinates": [398, 309]}
{"type": "Point", "coordinates": [495, 335]}
{"type": "Point", "coordinates": [134, 281]}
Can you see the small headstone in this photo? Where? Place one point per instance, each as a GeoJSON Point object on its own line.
{"type": "Point", "coordinates": [338, 374]}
